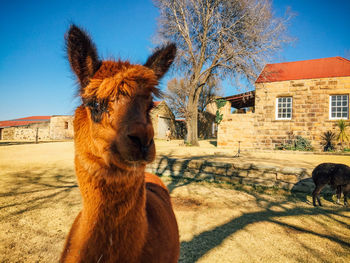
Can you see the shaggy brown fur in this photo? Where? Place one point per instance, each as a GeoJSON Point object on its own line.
{"type": "Point", "coordinates": [127, 214]}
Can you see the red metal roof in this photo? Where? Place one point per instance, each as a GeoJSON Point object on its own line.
{"type": "Point", "coordinates": [307, 69]}
{"type": "Point", "coordinates": [24, 121]}
{"type": "Point", "coordinates": [35, 118]}
{"type": "Point", "coordinates": [156, 103]}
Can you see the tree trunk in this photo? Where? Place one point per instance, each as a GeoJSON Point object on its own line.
{"type": "Point", "coordinates": [192, 127]}
{"type": "Point", "coordinates": [192, 120]}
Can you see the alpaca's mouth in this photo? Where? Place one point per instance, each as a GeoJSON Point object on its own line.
{"type": "Point", "coordinates": [134, 153]}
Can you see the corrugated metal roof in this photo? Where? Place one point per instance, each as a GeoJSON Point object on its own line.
{"type": "Point", "coordinates": [24, 121]}
{"type": "Point", "coordinates": [307, 69]}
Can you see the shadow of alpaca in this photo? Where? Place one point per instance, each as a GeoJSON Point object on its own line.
{"type": "Point", "coordinates": [30, 190]}
{"type": "Point", "coordinates": [201, 244]}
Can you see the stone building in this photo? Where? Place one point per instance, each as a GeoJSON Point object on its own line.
{"type": "Point", "coordinates": [60, 127]}
{"type": "Point", "coordinates": [162, 119]}
{"type": "Point", "coordinates": [303, 98]}
{"type": "Point", "coordinates": [44, 128]}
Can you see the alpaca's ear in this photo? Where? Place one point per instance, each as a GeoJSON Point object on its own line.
{"type": "Point", "coordinates": [82, 55]}
{"type": "Point", "coordinates": [161, 59]}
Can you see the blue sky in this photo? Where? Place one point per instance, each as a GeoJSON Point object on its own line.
{"type": "Point", "coordinates": [35, 78]}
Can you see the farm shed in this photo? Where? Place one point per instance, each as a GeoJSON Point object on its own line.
{"type": "Point", "coordinates": [303, 98]}
{"type": "Point", "coordinates": [56, 127]}
{"type": "Point", "coordinates": [162, 119]}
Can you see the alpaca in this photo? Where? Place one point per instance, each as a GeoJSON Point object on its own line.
{"type": "Point", "coordinates": [336, 175]}
{"type": "Point", "coordinates": [127, 214]}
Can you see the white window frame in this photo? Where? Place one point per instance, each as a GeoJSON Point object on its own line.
{"type": "Point", "coordinates": [336, 106]}
{"type": "Point", "coordinates": [291, 108]}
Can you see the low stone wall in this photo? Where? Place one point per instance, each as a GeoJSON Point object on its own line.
{"type": "Point", "coordinates": [290, 178]}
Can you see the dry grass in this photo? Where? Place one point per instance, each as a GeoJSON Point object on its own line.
{"type": "Point", "coordinates": [39, 199]}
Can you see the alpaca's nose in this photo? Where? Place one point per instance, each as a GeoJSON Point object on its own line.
{"type": "Point", "coordinates": [142, 137]}
{"type": "Point", "coordinates": [139, 143]}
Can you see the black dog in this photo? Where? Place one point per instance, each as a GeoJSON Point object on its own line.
{"type": "Point", "coordinates": [336, 175]}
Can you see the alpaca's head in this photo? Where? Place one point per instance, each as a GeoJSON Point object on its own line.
{"type": "Point", "coordinates": [113, 123]}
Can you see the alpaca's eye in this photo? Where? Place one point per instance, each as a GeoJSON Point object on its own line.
{"type": "Point", "coordinates": [93, 104]}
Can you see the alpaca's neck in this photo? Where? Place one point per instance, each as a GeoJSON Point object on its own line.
{"type": "Point", "coordinates": [107, 187]}
{"type": "Point", "coordinates": [114, 205]}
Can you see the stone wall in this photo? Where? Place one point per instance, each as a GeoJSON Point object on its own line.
{"type": "Point", "coordinates": [58, 128]}
{"type": "Point", "coordinates": [27, 132]}
{"type": "Point", "coordinates": [236, 130]}
{"type": "Point", "coordinates": [8, 133]}
{"type": "Point", "coordinates": [61, 127]}
{"type": "Point", "coordinates": [290, 178]}
{"type": "Point", "coordinates": [310, 114]}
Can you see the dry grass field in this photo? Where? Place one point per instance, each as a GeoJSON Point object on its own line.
{"type": "Point", "coordinates": [39, 199]}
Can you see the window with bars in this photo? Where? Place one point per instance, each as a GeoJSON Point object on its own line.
{"type": "Point", "coordinates": [284, 108]}
{"type": "Point", "coordinates": [339, 107]}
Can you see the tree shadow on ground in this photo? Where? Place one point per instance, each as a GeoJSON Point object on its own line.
{"type": "Point", "coordinates": [201, 244]}
{"type": "Point", "coordinates": [186, 171]}
{"type": "Point", "coordinates": [29, 190]}
{"type": "Point", "coordinates": [272, 212]}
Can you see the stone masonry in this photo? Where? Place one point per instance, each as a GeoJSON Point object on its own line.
{"type": "Point", "coordinates": [61, 127]}
{"type": "Point", "coordinates": [289, 178]}
{"type": "Point", "coordinates": [310, 114]}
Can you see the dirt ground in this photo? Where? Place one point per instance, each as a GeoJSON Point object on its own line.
{"type": "Point", "coordinates": [39, 199]}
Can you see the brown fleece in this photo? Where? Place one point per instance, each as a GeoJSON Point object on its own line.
{"type": "Point", "coordinates": [127, 214]}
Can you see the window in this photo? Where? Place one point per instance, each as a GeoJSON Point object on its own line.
{"type": "Point", "coordinates": [339, 107]}
{"type": "Point", "coordinates": [66, 125]}
{"type": "Point", "coordinates": [284, 108]}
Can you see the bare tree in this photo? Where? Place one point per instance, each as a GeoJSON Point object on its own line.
{"type": "Point", "coordinates": [223, 37]}
{"type": "Point", "coordinates": [178, 92]}
{"type": "Point", "coordinates": [177, 96]}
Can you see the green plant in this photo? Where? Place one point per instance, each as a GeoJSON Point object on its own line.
{"type": "Point", "coordinates": [299, 144]}
{"type": "Point", "coordinates": [302, 144]}
{"type": "Point", "coordinates": [342, 136]}
{"type": "Point", "coordinates": [219, 104]}
{"type": "Point", "coordinates": [328, 137]}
